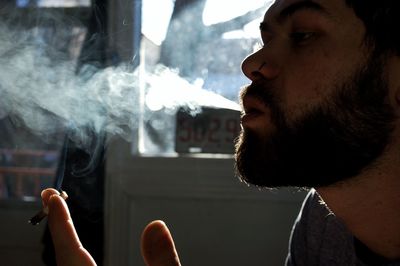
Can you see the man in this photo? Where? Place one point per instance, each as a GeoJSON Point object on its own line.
{"type": "Point", "coordinates": [321, 112]}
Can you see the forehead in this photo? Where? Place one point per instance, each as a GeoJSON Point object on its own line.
{"type": "Point", "coordinates": [335, 8]}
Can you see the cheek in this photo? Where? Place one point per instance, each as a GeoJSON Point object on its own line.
{"type": "Point", "coordinates": [308, 80]}
{"type": "Point", "coordinates": [313, 76]}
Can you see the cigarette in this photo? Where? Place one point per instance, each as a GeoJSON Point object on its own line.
{"type": "Point", "coordinates": [36, 219]}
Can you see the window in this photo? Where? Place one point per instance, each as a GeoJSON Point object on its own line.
{"type": "Point", "coordinates": [190, 50]}
{"type": "Point", "coordinates": [200, 45]}
{"type": "Point", "coordinates": [33, 32]}
{"type": "Point", "coordinates": [203, 40]}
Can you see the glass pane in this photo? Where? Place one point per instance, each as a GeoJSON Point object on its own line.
{"type": "Point", "coordinates": [195, 51]}
{"type": "Point", "coordinates": [30, 80]}
{"type": "Point", "coordinates": [204, 45]}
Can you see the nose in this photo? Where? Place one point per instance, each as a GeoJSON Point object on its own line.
{"type": "Point", "coordinates": [260, 64]}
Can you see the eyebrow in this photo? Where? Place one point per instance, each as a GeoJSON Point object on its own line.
{"type": "Point", "coordinates": [293, 8]}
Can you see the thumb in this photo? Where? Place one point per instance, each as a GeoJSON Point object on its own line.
{"type": "Point", "coordinates": [158, 248]}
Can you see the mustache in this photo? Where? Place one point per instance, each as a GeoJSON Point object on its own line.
{"type": "Point", "coordinates": [267, 95]}
{"type": "Point", "coordinates": [261, 91]}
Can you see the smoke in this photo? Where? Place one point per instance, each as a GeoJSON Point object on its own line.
{"type": "Point", "coordinates": [41, 90]}
{"type": "Point", "coordinates": [45, 93]}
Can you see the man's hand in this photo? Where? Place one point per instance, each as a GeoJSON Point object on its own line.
{"type": "Point", "coordinates": [158, 248]}
{"type": "Point", "coordinates": [68, 247]}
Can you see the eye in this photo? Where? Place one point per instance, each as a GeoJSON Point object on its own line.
{"type": "Point", "coordinates": [301, 37]}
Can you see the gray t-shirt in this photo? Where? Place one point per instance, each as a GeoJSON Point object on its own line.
{"type": "Point", "coordinates": [320, 238]}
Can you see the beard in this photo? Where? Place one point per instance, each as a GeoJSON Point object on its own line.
{"type": "Point", "coordinates": [330, 143]}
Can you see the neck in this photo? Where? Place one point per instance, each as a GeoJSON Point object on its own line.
{"type": "Point", "coordinates": [369, 207]}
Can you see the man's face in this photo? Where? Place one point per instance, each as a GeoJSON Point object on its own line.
{"type": "Point", "coordinates": [316, 112]}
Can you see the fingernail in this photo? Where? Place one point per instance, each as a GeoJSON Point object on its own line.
{"type": "Point", "coordinates": [64, 195]}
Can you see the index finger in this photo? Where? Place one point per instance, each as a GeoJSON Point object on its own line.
{"type": "Point", "coordinates": [47, 193]}
{"type": "Point", "coordinates": [68, 248]}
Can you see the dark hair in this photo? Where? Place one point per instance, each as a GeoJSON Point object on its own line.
{"type": "Point", "coordinates": [381, 19]}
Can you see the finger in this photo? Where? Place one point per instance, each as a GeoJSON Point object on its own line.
{"type": "Point", "coordinates": [158, 248]}
{"type": "Point", "coordinates": [46, 194]}
{"type": "Point", "coordinates": [68, 248]}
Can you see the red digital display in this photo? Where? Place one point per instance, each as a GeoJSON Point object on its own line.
{"type": "Point", "coordinates": [211, 131]}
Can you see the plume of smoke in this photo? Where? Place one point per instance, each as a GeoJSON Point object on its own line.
{"type": "Point", "coordinates": [40, 89]}
{"type": "Point", "coordinates": [46, 94]}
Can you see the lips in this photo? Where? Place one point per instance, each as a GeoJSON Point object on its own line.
{"type": "Point", "coordinates": [254, 110]}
